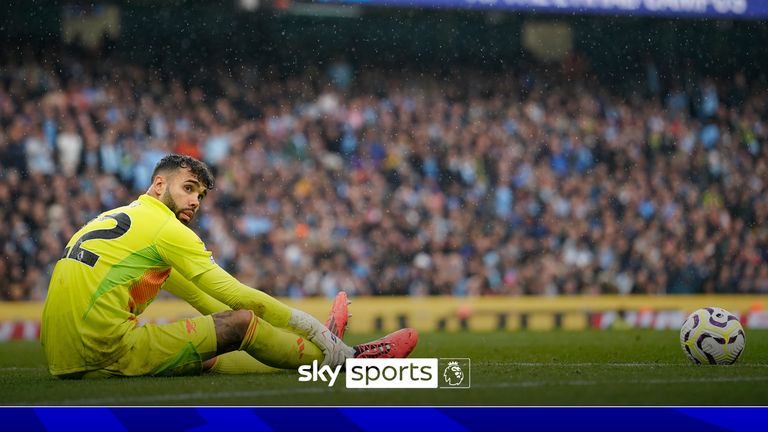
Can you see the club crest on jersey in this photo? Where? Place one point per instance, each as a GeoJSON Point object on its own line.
{"type": "Point", "coordinates": [191, 326]}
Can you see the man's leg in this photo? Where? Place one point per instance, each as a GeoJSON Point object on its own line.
{"type": "Point", "coordinates": [189, 346]}
{"type": "Point", "coordinates": [275, 347]}
{"type": "Point", "coordinates": [240, 362]}
{"type": "Point", "coordinates": [281, 349]}
{"type": "Point", "coordinates": [237, 363]}
{"type": "Point", "coordinates": [184, 347]}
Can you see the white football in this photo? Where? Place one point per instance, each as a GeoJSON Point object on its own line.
{"type": "Point", "coordinates": [712, 336]}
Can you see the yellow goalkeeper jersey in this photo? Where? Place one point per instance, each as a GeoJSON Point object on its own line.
{"type": "Point", "coordinates": [110, 271]}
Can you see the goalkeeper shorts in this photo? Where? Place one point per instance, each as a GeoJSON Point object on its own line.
{"type": "Point", "coordinates": [173, 349]}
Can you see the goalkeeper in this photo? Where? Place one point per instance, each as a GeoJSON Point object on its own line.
{"type": "Point", "coordinates": [114, 267]}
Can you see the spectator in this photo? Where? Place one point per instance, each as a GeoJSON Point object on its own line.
{"type": "Point", "coordinates": [405, 183]}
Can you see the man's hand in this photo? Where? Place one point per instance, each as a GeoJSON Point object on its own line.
{"type": "Point", "coordinates": [334, 350]}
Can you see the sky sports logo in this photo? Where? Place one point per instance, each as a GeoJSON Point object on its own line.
{"type": "Point", "coordinates": [449, 373]}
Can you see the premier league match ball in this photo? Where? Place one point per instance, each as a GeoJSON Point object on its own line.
{"type": "Point", "coordinates": [712, 336]}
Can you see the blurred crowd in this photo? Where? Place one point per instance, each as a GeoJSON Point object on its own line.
{"type": "Point", "coordinates": [463, 182]}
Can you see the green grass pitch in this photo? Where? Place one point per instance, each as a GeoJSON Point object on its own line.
{"type": "Point", "coordinates": [633, 367]}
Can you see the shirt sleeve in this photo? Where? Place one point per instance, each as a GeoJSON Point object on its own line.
{"type": "Point", "coordinates": [183, 250]}
{"type": "Point", "coordinates": [189, 292]}
{"type": "Point", "coordinates": [225, 288]}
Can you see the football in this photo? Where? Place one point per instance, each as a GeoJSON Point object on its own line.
{"type": "Point", "coordinates": [712, 335]}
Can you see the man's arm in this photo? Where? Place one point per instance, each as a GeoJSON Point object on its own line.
{"type": "Point", "coordinates": [222, 286]}
{"type": "Point", "coordinates": [185, 252]}
{"type": "Point", "coordinates": [179, 286]}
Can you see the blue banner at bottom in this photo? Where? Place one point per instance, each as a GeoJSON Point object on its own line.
{"type": "Point", "coordinates": [384, 419]}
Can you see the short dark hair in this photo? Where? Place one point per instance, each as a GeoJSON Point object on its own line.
{"type": "Point", "coordinates": [174, 162]}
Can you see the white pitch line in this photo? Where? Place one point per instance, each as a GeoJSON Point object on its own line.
{"type": "Point", "coordinates": [144, 400]}
{"type": "Point", "coordinates": [530, 364]}
{"type": "Point", "coordinates": [643, 381]}
{"type": "Point", "coordinates": [629, 365]}
{"type": "Point", "coordinates": [171, 398]}
{"type": "Point", "coordinates": [10, 369]}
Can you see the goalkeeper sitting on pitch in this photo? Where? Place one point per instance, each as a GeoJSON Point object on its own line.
{"type": "Point", "coordinates": [114, 267]}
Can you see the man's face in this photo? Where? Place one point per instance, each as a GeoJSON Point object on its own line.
{"type": "Point", "coordinates": [183, 194]}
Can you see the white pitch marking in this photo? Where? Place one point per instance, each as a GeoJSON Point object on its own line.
{"type": "Point", "coordinates": [145, 400]}
{"type": "Point", "coordinates": [10, 369]}
{"type": "Point", "coordinates": [531, 364]}
{"type": "Point", "coordinates": [551, 364]}
{"type": "Point", "coordinates": [170, 398]}
{"type": "Point", "coordinates": [643, 381]}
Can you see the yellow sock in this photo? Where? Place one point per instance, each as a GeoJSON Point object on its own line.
{"type": "Point", "coordinates": [276, 347]}
{"type": "Point", "coordinates": [237, 363]}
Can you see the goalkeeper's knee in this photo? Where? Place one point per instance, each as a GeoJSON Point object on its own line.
{"type": "Point", "coordinates": [231, 329]}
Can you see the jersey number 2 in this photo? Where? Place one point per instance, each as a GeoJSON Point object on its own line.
{"type": "Point", "coordinates": [78, 253]}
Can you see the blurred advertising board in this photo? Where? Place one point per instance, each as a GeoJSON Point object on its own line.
{"type": "Point", "coordinates": [21, 320]}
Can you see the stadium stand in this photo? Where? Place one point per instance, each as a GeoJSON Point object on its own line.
{"type": "Point", "coordinates": [462, 180]}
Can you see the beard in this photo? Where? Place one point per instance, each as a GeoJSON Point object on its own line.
{"type": "Point", "coordinates": [167, 199]}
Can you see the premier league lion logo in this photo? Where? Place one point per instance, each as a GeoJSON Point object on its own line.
{"type": "Point", "coordinates": [453, 374]}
